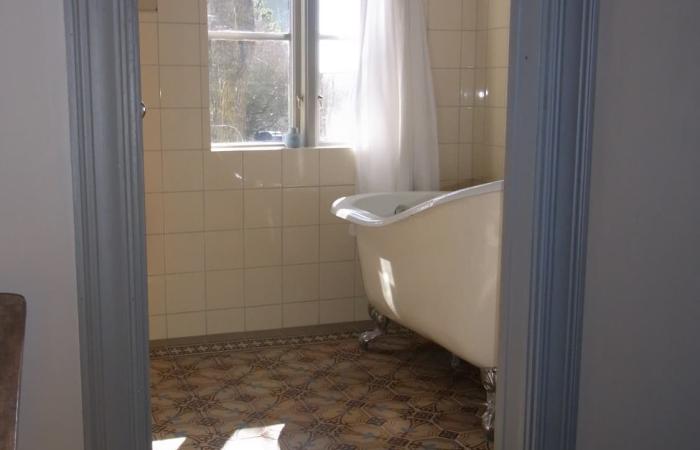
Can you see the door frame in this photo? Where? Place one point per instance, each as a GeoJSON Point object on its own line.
{"type": "Point", "coordinates": [550, 111]}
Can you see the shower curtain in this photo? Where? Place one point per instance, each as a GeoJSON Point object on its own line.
{"type": "Point", "coordinates": [396, 145]}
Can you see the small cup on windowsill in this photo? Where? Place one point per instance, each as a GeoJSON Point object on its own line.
{"type": "Point", "coordinates": [292, 139]}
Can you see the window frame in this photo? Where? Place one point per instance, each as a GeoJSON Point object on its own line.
{"type": "Point", "coordinates": [304, 96]}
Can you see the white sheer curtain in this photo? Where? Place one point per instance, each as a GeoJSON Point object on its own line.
{"type": "Point", "coordinates": [396, 126]}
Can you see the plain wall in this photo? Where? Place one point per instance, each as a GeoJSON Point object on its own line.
{"type": "Point", "coordinates": [641, 344]}
{"type": "Point", "coordinates": [37, 249]}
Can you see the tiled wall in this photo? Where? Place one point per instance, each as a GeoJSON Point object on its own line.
{"type": "Point", "coordinates": [493, 22]}
{"type": "Point", "coordinates": [236, 240]}
{"type": "Point", "coordinates": [242, 241]}
{"type": "Point", "coordinates": [469, 53]}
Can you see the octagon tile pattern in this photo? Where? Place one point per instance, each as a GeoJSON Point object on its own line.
{"type": "Point", "coordinates": [314, 392]}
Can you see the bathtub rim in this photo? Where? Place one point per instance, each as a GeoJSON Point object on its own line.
{"type": "Point", "coordinates": [346, 207]}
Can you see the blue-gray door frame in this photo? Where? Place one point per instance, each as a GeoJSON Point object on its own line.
{"type": "Point", "coordinates": [552, 61]}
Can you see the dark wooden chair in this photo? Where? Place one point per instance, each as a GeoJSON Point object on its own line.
{"type": "Point", "coordinates": [13, 312]}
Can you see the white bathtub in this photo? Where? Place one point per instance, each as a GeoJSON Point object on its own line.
{"type": "Point", "coordinates": [435, 266]}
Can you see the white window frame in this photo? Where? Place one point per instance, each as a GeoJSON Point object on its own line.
{"type": "Point", "coordinates": [303, 38]}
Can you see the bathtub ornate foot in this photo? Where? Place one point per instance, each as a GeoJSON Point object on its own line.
{"type": "Point", "coordinates": [488, 381]}
{"type": "Point", "coordinates": [380, 324]}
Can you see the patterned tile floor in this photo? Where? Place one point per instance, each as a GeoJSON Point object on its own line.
{"type": "Point", "coordinates": [314, 392]}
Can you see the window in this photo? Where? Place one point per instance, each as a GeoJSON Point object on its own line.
{"type": "Point", "coordinates": [276, 64]}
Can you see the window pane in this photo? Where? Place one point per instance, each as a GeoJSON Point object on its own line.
{"type": "Point", "coordinates": [249, 15]}
{"type": "Point", "coordinates": [248, 91]}
{"type": "Point", "coordinates": [337, 60]}
{"type": "Point", "coordinates": [339, 17]}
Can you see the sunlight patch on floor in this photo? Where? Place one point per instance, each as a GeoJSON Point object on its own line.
{"type": "Point", "coordinates": [168, 444]}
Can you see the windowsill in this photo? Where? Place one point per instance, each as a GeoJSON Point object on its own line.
{"type": "Point", "coordinates": [259, 148]}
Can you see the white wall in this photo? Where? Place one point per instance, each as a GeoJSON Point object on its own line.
{"type": "Point", "coordinates": [37, 255]}
{"type": "Point", "coordinates": [641, 346]}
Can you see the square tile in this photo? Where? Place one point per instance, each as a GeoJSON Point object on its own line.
{"type": "Point", "coordinates": [495, 126]}
{"type": "Point", "coordinates": [148, 43]}
{"type": "Point", "coordinates": [497, 48]}
{"type": "Point", "coordinates": [180, 88]}
{"type": "Point", "coordinates": [300, 167]}
{"type": "Point", "coordinates": [497, 84]}
{"type": "Point", "coordinates": [337, 310]}
{"type": "Point", "coordinates": [449, 158]}
{"type": "Point", "coordinates": [154, 213]}
{"type": "Point", "coordinates": [337, 166]}
{"type": "Point", "coordinates": [156, 295]}
{"type": "Point", "coordinates": [186, 325]}
{"type": "Point", "coordinates": [336, 243]}
{"type": "Point", "coordinates": [157, 327]}
{"type": "Point", "coordinates": [151, 130]}
{"type": "Point", "coordinates": [499, 14]}
{"type": "Point", "coordinates": [178, 11]}
{"type": "Point", "coordinates": [178, 44]}
{"type": "Point", "coordinates": [448, 125]}
{"type": "Point", "coordinates": [184, 252]}
{"type": "Point", "coordinates": [263, 286]}
{"type": "Point", "coordinates": [223, 170]}
{"type": "Point", "coordinates": [155, 254]}
{"type": "Point", "coordinates": [183, 212]}
{"type": "Point", "coordinates": [465, 162]}
{"type": "Point", "coordinates": [184, 292]}
{"type": "Point", "coordinates": [359, 282]}
{"type": "Point", "coordinates": [262, 169]}
{"type": "Point", "coordinates": [466, 121]}
{"type": "Point", "coordinates": [181, 129]}
{"type": "Point", "coordinates": [300, 282]}
{"type": "Point", "coordinates": [263, 318]}
{"type": "Point", "coordinates": [446, 85]}
{"type": "Point", "coordinates": [469, 14]}
{"type": "Point", "coordinates": [300, 206]}
{"type": "Point", "coordinates": [263, 208]}
{"type": "Point", "coordinates": [466, 87]}
{"type": "Point", "coordinates": [469, 43]}
{"type": "Point", "coordinates": [224, 289]}
{"type": "Point", "coordinates": [150, 86]}
{"type": "Point", "coordinates": [444, 14]}
{"type": "Point", "coordinates": [182, 171]}
{"type": "Point", "coordinates": [300, 314]}
{"type": "Point", "coordinates": [337, 280]}
{"type": "Point", "coordinates": [301, 245]}
{"type": "Point", "coordinates": [224, 250]}
{"type": "Point", "coordinates": [223, 210]}
{"type": "Point", "coordinates": [263, 247]}
{"type": "Point", "coordinates": [444, 47]}
{"type": "Point", "coordinates": [361, 304]}
{"type": "Point", "coordinates": [225, 321]}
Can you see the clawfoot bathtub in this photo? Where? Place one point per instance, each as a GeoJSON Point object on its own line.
{"type": "Point", "coordinates": [431, 262]}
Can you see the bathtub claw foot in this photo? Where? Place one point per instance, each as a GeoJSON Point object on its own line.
{"type": "Point", "coordinates": [488, 381]}
{"type": "Point", "coordinates": [380, 325]}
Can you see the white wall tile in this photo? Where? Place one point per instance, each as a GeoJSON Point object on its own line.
{"type": "Point", "coordinates": [182, 171]}
{"type": "Point", "coordinates": [300, 282]}
{"type": "Point", "coordinates": [223, 210]}
{"type": "Point", "coordinates": [225, 321]}
{"type": "Point", "coordinates": [328, 195]}
{"type": "Point", "coordinates": [184, 292]}
{"type": "Point", "coordinates": [184, 252]}
{"type": "Point", "coordinates": [263, 208]}
{"type": "Point", "coordinates": [337, 310]}
{"type": "Point", "coordinates": [466, 87]}
{"type": "Point", "coordinates": [466, 118]}
{"type": "Point", "coordinates": [263, 317]}
{"type": "Point", "coordinates": [180, 88]}
{"type": "Point", "coordinates": [448, 125]}
{"type": "Point", "coordinates": [300, 314]}
{"type": "Point", "coordinates": [181, 129]}
{"type": "Point", "coordinates": [336, 243]}
{"type": "Point", "coordinates": [224, 250]}
{"type": "Point", "coordinates": [449, 158]}
{"type": "Point", "coordinates": [150, 86]}
{"type": "Point", "coordinates": [301, 244]}
{"type": "Point", "coordinates": [157, 327]}
{"type": "Point", "coordinates": [223, 170]}
{"type": "Point", "coordinates": [444, 47]}
{"type": "Point", "coordinates": [186, 324]}
{"type": "Point", "coordinates": [446, 84]}
{"type": "Point", "coordinates": [183, 212]}
{"type": "Point", "coordinates": [337, 280]}
{"type": "Point", "coordinates": [224, 289]}
{"type": "Point", "coordinates": [337, 166]}
{"type": "Point", "coordinates": [178, 44]}
{"type": "Point", "coordinates": [155, 254]}
{"type": "Point", "coordinates": [300, 206]}
{"type": "Point", "coordinates": [148, 43]}
{"type": "Point", "coordinates": [154, 213]}
{"type": "Point", "coordinates": [151, 130]}
{"type": "Point", "coordinates": [263, 247]}
{"type": "Point", "coordinates": [178, 11]}
{"type": "Point", "coordinates": [262, 169]}
{"type": "Point", "coordinates": [469, 14]}
{"type": "Point", "coordinates": [444, 14]}
{"type": "Point", "coordinates": [361, 312]}
{"type": "Point", "coordinates": [468, 50]}
{"type": "Point", "coordinates": [156, 295]}
{"type": "Point", "coordinates": [300, 167]}
{"type": "Point", "coordinates": [263, 286]}
{"type": "Point", "coordinates": [497, 48]}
